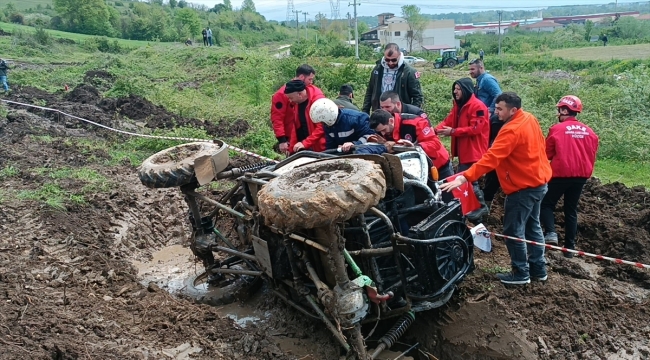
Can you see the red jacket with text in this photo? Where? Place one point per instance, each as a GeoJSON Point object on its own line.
{"type": "Point", "coordinates": [415, 128]}
{"type": "Point", "coordinates": [316, 139]}
{"type": "Point", "coordinates": [282, 114]}
{"type": "Point", "coordinates": [571, 146]}
{"type": "Point", "coordinates": [471, 134]}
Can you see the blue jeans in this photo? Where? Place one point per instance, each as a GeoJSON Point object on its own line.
{"type": "Point", "coordinates": [3, 80]}
{"type": "Point", "coordinates": [521, 220]}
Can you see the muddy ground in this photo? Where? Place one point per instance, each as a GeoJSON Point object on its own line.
{"type": "Point", "coordinates": [89, 282]}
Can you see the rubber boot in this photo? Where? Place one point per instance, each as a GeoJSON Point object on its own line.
{"type": "Point", "coordinates": [569, 244]}
{"type": "Point", "coordinates": [479, 214]}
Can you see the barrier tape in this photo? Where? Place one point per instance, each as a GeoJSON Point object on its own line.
{"type": "Point", "coordinates": [234, 148]}
{"type": "Point", "coordinates": [565, 250]}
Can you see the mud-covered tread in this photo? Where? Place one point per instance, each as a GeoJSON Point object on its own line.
{"type": "Point", "coordinates": [156, 173]}
{"type": "Point", "coordinates": [321, 193]}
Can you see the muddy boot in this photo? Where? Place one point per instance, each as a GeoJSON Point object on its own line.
{"type": "Point", "coordinates": [480, 214]}
{"type": "Point", "coordinates": [571, 245]}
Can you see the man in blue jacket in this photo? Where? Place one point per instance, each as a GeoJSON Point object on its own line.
{"type": "Point", "coordinates": [344, 128]}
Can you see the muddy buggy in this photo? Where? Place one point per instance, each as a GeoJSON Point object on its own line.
{"type": "Point", "coordinates": [345, 239]}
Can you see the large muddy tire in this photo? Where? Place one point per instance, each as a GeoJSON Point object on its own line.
{"type": "Point", "coordinates": [174, 166]}
{"type": "Point", "coordinates": [322, 193]}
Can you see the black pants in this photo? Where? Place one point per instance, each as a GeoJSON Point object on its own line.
{"type": "Point", "coordinates": [570, 188]}
{"type": "Point", "coordinates": [205, 41]}
{"type": "Point", "coordinates": [491, 186]}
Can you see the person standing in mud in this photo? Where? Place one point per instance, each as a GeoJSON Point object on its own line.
{"type": "Point", "coordinates": [3, 75]}
{"type": "Point", "coordinates": [204, 32]}
{"type": "Point", "coordinates": [518, 155]}
{"type": "Point", "coordinates": [307, 134]}
{"type": "Point", "coordinates": [282, 110]}
{"type": "Point", "coordinates": [468, 125]}
{"type": "Point", "coordinates": [571, 146]}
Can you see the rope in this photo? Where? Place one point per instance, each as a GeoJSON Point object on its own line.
{"type": "Point", "coordinates": [234, 148]}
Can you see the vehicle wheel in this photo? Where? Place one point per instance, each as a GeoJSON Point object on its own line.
{"type": "Point", "coordinates": [450, 256]}
{"type": "Point", "coordinates": [322, 193]}
{"type": "Point", "coordinates": [451, 63]}
{"type": "Point", "coordinates": [222, 292]}
{"type": "Point", "coordinates": [174, 166]}
{"type": "Point", "coordinates": [437, 65]}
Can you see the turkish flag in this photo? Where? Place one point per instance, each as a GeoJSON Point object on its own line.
{"type": "Point", "coordinates": [465, 193]}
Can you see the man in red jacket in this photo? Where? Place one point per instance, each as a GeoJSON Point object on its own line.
{"type": "Point", "coordinates": [410, 130]}
{"type": "Point", "coordinates": [468, 124]}
{"type": "Point", "coordinates": [282, 110]}
{"type": "Point", "coordinates": [307, 135]}
{"type": "Point", "coordinates": [571, 146]}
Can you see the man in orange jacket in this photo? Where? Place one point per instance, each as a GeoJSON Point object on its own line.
{"type": "Point", "coordinates": [282, 110]}
{"type": "Point", "coordinates": [518, 155]}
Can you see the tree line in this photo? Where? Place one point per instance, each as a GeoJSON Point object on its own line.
{"type": "Point", "coordinates": [155, 20]}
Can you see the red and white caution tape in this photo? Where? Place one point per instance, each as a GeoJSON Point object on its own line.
{"type": "Point", "coordinates": [565, 250]}
{"type": "Point", "coordinates": [233, 148]}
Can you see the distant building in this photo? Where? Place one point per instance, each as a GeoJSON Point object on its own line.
{"type": "Point", "coordinates": [581, 19]}
{"type": "Point", "coordinates": [542, 26]}
{"type": "Point", "coordinates": [392, 29]}
{"type": "Point", "coordinates": [485, 28]}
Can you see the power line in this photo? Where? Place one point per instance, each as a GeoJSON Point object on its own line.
{"type": "Point", "coordinates": [335, 5]}
{"type": "Point", "coordinates": [290, 10]}
{"type": "Point", "coordinates": [356, 31]}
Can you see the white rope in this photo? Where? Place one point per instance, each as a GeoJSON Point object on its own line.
{"type": "Point", "coordinates": [234, 148]}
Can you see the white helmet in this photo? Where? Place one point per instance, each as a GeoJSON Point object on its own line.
{"type": "Point", "coordinates": [325, 111]}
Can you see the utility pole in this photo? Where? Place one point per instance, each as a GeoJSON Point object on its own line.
{"type": "Point", "coordinates": [297, 23]}
{"type": "Point", "coordinates": [305, 13]}
{"type": "Point", "coordinates": [349, 26]}
{"type": "Point", "coordinates": [356, 30]}
{"type": "Point", "coordinates": [500, 12]}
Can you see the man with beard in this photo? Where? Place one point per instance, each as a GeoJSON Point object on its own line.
{"type": "Point", "coordinates": [391, 102]}
{"type": "Point", "coordinates": [392, 74]}
{"type": "Point", "coordinates": [469, 127]}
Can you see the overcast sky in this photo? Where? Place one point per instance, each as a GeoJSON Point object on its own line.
{"type": "Point", "coordinates": [277, 9]}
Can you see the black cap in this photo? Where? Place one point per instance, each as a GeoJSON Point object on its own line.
{"type": "Point", "coordinates": [346, 89]}
{"type": "Point", "coordinates": [294, 86]}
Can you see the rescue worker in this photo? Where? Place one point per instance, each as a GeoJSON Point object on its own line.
{"type": "Point", "coordinates": [468, 125]}
{"type": "Point", "coordinates": [392, 73]}
{"type": "Point", "coordinates": [307, 135]}
{"type": "Point", "coordinates": [410, 130]}
{"type": "Point", "coordinates": [282, 110]}
{"type": "Point", "coordinates": [391, 102]}
{"type": "Point", "coordinates": [519, 157]}
{"type": "Point", "coordinates": [343, 128]}
{"type": "Point", "coordinates": [344, 100]}
{"type": "Point", "coordinates": [571, 146]}
{"type": "Point", "coordinates": [487, 89]}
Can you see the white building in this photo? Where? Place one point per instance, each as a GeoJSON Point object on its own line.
{"type": "Point", "coordinates": [396, 30]}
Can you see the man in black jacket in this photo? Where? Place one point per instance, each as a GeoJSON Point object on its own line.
{"type": "Point", "coordinates": [392, 74]}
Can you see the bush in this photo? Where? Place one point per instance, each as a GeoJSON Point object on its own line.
{"type": "Point", "coordinates": [42, 37]}
{"type": "Point", "coordinates": [37, 20]}
{"type": "Point", "coordinates": [104, 45]}
{"type": "Point", "coordinates": [17, 18]}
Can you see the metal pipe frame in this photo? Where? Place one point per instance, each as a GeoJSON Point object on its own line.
{"type": "Point", "coordinates": [216, 203]}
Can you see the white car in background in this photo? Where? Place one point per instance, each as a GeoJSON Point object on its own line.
{"type": "Point", "coordinates": [412, 60]}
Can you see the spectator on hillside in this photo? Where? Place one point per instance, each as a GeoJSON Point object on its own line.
{"type": "Point", "coordinates": [466, 55]}
{"type": "Point", "coordinates": [391, 102]}
{"type": "Point", "coordinates": [3, 74]}
{"type": "Point", "coordinates": [481, 54]}
{"type": "Point", "coordinates": [392, 73]}
{"type": "Point", "coordinates": [188, 42]}
{"type": "Point", "coordinates": [209, 33]}
{"type": "Point", "coordinates": [468, 125]}
{"type": "Point", "coordinates": [344, 100]}
{"type": "Point", "coordinates": [204, 32]}
{"type": "Point", "coordinates": [604, 40]}
{"type": "Point", "coordinates": [571, 146]}
{"type": "Point", "coordinates": [487, 89]}
{"type": "Point", "coordinates": [282, 110]}
{"type": "Point", "coordinates": [518, 155]}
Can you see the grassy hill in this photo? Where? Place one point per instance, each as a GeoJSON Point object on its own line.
{"type": "Point", "coordinates": [25, 4]}
{"type": "Point", "coordinates": [620, 52]}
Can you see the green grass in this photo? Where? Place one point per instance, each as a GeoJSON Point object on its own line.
{"type": "Point", "coordinates": [629, 173]}
{"type": "Point", "coordinates": [26, 4]}
{"type": "Point", "coordinates": [620, 52]}
{"type": "Point", "coordinates": [8, 27]}
{"type": "Point", "coordinates": [8, 171]}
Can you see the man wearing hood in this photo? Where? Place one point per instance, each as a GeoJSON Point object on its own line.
{"type": "Point", "coordinates": [392, 74]}
{"type": "Point", "coordinates": [468, 124]}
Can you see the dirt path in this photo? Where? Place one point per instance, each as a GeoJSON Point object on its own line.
{"type": "Point", "coordinates": [108, 278]}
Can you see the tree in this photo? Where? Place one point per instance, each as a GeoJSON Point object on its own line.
{"type": "Point", "coordinates": [85, 16]}
{"type": "Point", "coordinates": [227, 5]}
{"type": "Point", "coordinates": [188, 18]}
{"type": "Point", "coordinates": [173, 3]}
{"type": "Point", "coordinates": [182, 4]}
{"type": "Point", "coordinates": [589, 26]}
{"type": "Point", "coordinates": [416, 23]}
{"type": "Point", "coordinates": [248, 5]}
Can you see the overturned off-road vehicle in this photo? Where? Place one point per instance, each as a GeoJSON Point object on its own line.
{"type": "Point", "coordinates": [345, 239]}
